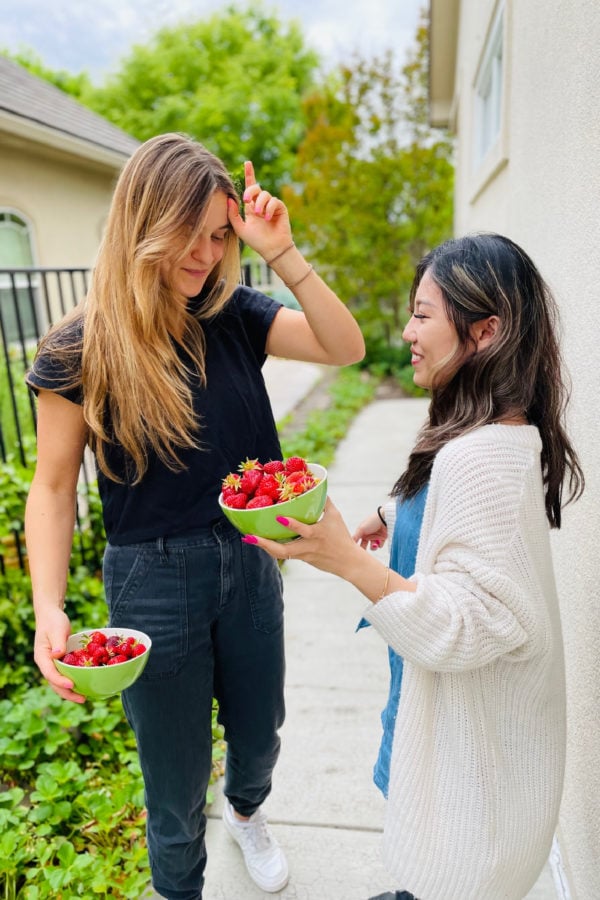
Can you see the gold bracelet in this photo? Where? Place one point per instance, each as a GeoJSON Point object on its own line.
{"type": "Point", "coordinates": [385, 586]}
{"type": "Point", "coordinates": [300, 280]}
{"type": "Point", "coordinates": [270, 262]}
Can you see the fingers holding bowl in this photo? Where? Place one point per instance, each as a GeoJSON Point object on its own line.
{"type": "Point", "coordinates": [282, 549]}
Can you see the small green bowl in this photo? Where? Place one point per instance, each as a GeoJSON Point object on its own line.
{"type": "Point", "coordinates": [98, 682]}
{"type": "Point", "coordinates": [263, 522]}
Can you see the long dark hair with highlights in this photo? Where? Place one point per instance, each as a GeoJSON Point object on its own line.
{"type": "Point", "coordinates": [518, 373]}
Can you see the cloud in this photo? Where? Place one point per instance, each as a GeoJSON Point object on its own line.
{"type": "Point", "coordinates": [71, 35]}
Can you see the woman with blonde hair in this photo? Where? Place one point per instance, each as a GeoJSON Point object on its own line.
{"type": "Point", "coordinates": [473, 750]}
{"type": "Point", "coordinates": [159, 371]}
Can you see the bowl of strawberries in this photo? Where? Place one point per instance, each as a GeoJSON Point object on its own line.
{"type": "Point", "coordinates": [104, 661]}
{"type": "Point", "coordinates": [253, 497]}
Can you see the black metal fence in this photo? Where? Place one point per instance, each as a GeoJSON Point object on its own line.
{"type": "Point", "coordinates": [30, 301]}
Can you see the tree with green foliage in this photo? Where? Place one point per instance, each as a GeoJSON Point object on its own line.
{"type": "Point", "coordinates": [372, 189]}
{"type": "Point", "coordinates": [235, 81]}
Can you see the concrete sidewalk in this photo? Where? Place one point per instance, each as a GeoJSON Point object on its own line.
{"type": "Point", "coordinates": [324, 808]}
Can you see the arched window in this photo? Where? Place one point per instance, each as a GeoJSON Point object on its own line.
{"type": "Point", "coordinates": [18, 291]}
{"type": "Point", "coordinates": [15, 242]}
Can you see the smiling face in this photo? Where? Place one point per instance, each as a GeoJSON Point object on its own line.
{"type": "Point", "coordinates": [187, 274]}
{"type": "Point", "coordinates": [432, 336]}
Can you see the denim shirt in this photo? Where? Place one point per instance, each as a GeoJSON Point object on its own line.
{"type": "Point", "coordinates": [403, 554]}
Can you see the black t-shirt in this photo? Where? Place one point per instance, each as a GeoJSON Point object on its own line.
{"type": "Point", "coordinates": [236, 422]}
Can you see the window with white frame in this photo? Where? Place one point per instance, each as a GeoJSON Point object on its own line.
{"type": "Point", "coordinates": [488, 91]}
{"type": "Point", "coordinates": [15, 242]}
{"type": "Point", "coordinates": [18, 292]}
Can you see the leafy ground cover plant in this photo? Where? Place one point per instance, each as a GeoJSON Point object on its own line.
{"type": "Point", "coordinates": [324, 428]}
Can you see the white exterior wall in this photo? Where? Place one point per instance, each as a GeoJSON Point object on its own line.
{"type": "Point", "coordinates": [542, 188]}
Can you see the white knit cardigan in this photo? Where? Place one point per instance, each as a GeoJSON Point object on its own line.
{"type": "Point", "coordinates": [479, 745]}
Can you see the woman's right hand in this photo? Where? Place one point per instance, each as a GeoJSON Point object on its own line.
{"type": "Point", "coordinates": [50, 643]}
{"type": "Point", "coordinates": [371, 533]}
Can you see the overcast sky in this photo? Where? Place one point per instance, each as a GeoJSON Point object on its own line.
{"type": "Point", "coordinates": [93, 35]}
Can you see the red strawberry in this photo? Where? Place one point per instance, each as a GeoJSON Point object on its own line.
{"type": "Point", "coordinates": [138, 649]}
{"type": "Point", "coordinates": [259, 501]}
{"type": "Point", "coordinates": [296, 476]}
{"type": "Point", "coordinates": [269, 486]}
{"type": "Point", "coordinates": [119, 658]}
{"type": "Point", "coordinates": [71, 659]}
{"type": "Point", "coordinates": [288, 492]}
{"type": "Point", "coordinates": [98, 637]}
{"type": "Point", "coordinates": [250, 481]}
{"type": "Point", "coordinates": [86, 660]}
{"type": "Point", "coordinates": [273, 467]}
{"type": "Point", "coordinates": [295, 464]}
{"type": "Point", "coordinates": [236, 501]}
{"type": "Point", "coordinates": [99, 656]}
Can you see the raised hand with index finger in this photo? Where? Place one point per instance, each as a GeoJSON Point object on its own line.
{"type": "Point", "coordinates": [266, 227]}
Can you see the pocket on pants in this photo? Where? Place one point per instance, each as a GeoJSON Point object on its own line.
{"type": "Point", "coordinates": [264, 587]}
{"type": "Point", "coordinates": [147, 592]}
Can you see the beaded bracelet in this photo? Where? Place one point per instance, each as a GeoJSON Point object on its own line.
{"type": "Point", "coordinates": [300, 280]}
{"type": "Point", "coordinates": [382, 520]}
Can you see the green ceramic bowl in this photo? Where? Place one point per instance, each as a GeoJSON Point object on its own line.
{"type": "Point", "coordinates": [263, 522]}
{"type": "Point", "coordinates": [98, 682]}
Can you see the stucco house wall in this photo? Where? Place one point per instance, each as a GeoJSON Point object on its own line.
{"type": "Point", "coordinates": [63, 200]}
{"type": "Point", "coordinates": [58, 166]}
{"type": "Point", "coordinates": [540, 184]}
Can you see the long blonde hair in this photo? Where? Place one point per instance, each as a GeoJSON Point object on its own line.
{"type": "Point", "coordinates": [136, 388]}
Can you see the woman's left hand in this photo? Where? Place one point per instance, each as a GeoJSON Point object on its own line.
{"type": "Point", "coordinates": [266, 227]}
{"type": "Point", "coordinates": [327, 545]}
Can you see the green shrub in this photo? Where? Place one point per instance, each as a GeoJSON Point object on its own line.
{"type": "Point", "coordinates": [384, 360]}
{"type": "Point", "coordinates": [323, 430]}
{"type": "Point", "coordinates": [16, 413]}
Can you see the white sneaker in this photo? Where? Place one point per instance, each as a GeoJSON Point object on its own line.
{"type": "Point", "coordinates": [264, 858]}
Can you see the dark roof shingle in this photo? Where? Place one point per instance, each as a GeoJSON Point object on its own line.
{"type": "Point", "coordinates": [32, 98]}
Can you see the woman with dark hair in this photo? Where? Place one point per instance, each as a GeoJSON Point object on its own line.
{"type": "Point", "coordinates": [469, 603]}
{"type": "Point", "coordinates": [158, 370]}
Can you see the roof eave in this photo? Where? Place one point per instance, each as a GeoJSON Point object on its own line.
{"type": "Point", "coordinates": [61, 143]}
{"type": "Point", "coordinates": [443, 42]}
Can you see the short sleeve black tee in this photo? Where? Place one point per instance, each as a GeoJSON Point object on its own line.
{"type": "Point", "coordinates": [236, 422]}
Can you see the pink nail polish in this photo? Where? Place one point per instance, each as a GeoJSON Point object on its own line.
{"type": "Point", "coordinates": [249, 539]}
{"type": "Point", "coordinates": [282, 520]}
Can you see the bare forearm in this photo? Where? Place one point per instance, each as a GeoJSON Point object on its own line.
{"type": "Point", "coordinates": [49, 524]}
{"type": "Point", "coordinates": [372, 577]}
{"type": "Point", "coordinates": [331, 321]}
